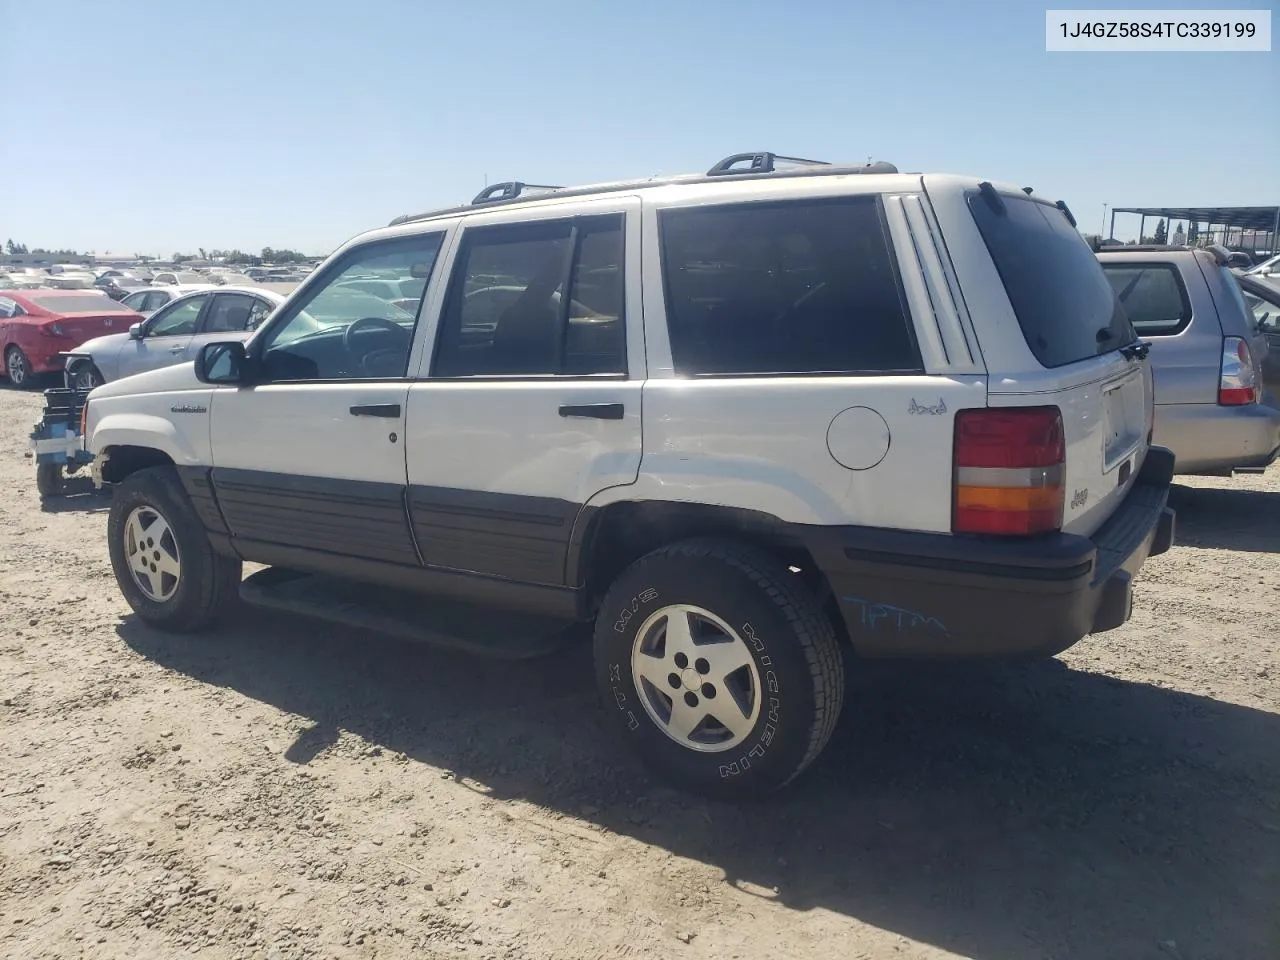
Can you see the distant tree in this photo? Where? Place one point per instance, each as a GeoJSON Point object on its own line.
{"type": "Point", "coordinates": [16, 248]}
{"type": "Point", "coordinates": [1193, 232]}
{"type": "Point", "coordinates": [182, 257]}
{"type": "Point", "coordinates": [282, 256]}
{"type": "Point", "coordinates": [202, 254]}
{"type": "Point", "coordinates": [1162, 232]}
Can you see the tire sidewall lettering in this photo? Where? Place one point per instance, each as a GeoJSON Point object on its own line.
{"type": "Point", "coordinates": [617, 685]}
{"type": "Point", "coordinates": [763, 738]}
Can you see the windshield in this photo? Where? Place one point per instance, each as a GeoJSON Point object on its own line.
{"type": "Point", "coordinates": [1067, 310]}
{"type": "Point", "coordinates": [335, 307]}
{"type": "Point", "coordinates": [90, 303]}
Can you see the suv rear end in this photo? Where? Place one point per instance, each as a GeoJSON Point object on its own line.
{"type": "Point", "coordinates": [1058, 495]}
{"type": "Point", "coordinates": [1206, 355]}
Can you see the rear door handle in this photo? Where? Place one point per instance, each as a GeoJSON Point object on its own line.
{"type": "Point", "coordinates": [600, 411]}
{"type": "Point", "coordinates": [388, 410]}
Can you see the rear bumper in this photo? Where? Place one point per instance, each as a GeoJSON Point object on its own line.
{"type": "Point", "coordinates": [1209, 439]}
{"type": "Point", "coordinates": [46, 362]}
{"type": "Point", "coordinates": [937, 596]}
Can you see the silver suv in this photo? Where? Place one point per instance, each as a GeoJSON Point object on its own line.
{"type": "Point", "coordinates": [1206, 355]}
{"type": "Point", "coordinates": [746, 423]}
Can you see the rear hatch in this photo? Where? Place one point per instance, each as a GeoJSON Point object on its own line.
{"type": "Point", "coordinates": [1082, 357]}
{"type": "Point", "coordinates": [1234, 313]}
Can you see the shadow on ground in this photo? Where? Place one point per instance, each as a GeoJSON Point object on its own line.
{"type": "Point", "coordinates": [78, 496]}
{"type": "Point", "coordinates": [997, 812]}
{"type": "Point", "coordinates": [1227, 518]}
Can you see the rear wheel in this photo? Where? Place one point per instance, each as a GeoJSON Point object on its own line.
{"type": "Point", "coordinates": [718, 667]}
{"type": "Point", "coordinates": [18, 368]}
{"type": "Point", "coordinates": [162, 559]}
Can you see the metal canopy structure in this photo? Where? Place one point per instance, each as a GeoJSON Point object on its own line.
{"type": "Point", "coordinates": [1255, 229]}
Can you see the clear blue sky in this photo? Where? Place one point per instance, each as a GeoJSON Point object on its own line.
{"type": "Point", "coordinates": [162, 125]}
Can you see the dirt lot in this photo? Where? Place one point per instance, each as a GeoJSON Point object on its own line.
{"type": "Point", "coordinates": [284, 789]}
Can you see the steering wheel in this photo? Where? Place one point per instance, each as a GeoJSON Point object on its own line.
{"type": "Point", "coordinates": [370, 324]}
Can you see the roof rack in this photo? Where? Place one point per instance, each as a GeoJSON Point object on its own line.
{"type": "Point", "coordinates": [760, 163]}
{"type": "Point", "coordinates": [510, 190]}
{"type": "Point", "coordinates": [1120, 246]}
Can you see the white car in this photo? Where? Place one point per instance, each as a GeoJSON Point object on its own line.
{"type": "Point", "coordinates": [173, 334]}
{"type": "Point", "coordinates": [151, 299]}
{"type": "Point", "coordinates": [745, 423]}
{"type": "Point", "coordinates": [71, 280]}
{"type": "Point", "coordinates": [172, 278]}
{"type": "Point", "coordinates": [1269, 269]}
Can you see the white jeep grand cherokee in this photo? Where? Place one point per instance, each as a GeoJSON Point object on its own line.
{"type": "Point", "coordinates": [749, 422]}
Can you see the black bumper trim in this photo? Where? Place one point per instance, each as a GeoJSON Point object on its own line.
{"type": "Point", "coordinates": [905, 594]}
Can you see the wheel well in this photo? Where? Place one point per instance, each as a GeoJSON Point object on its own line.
{"type": "Point", "coordinates": [621, 533]}
{"type": "Point", "coordinates": [124, 460]}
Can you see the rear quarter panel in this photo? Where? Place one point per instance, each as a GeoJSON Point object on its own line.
{"type": "Point", "coordinates": [1184, 365]}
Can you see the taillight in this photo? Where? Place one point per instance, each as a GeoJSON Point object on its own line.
{"type": "Point", "coordinates": [54, 329]}
{"type": "Point", "coordinates": [84, 418]}
{"type": "Point", "coordinates": [1238, 385]}
{"type": "Point", "coordinates": [1009, 468]}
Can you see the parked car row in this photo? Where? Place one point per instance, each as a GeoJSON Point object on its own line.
{"type": "Point", "coordinates": [118, 283]}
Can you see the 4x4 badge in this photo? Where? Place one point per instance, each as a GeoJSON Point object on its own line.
{"type": "Point", "coordinates": [932, 409]}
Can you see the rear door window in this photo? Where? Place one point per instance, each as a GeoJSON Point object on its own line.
{"type": "Point", "coordinates": [800, 287]}
{"type": "Point", "coordinates": [1067, 310]}
{"type": "Point", "coordinates": [230, 313]}
{"type": "Point", "coordinates": [1152, 295]}
{"type": "Point", "coordinates": [509, 313]}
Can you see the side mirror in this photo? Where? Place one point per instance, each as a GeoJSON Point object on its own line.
{"type": "Point", "coordinates": [136, 331]}
{"type": "Point", "coordinates": [222, 362]}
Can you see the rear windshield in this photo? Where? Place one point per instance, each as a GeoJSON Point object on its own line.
{"type": "Point", "coordinates": [89, 303]}
{"type": "Point", "coordinates": [1064, 304]}
{"type": "Point", "coordinates": [1152, 296]}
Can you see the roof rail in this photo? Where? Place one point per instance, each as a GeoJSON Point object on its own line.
{"type": "Point", "coordinates": [762, 162]}
{"type": "Point", "coordinates": [509, 190]}
{"type": "Point", "coordinates": [727, 169]}
{"type": "Point", "coordinates": [766, 162]}
{"type": "Point", "coordinates": [1119, 246]}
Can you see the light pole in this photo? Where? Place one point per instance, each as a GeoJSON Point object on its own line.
{"type": "Point", "coordinates": [1103, 232]}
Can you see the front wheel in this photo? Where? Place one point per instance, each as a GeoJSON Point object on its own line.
{"type": "Point", "coordinates": [86, 378]}
{"type": "Point", "coordinates": [162, 559]}
{"type": "Point", "coordinates": [718, 667]}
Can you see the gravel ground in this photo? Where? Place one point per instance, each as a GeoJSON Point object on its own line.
{"type": "Point", "coordinates": [284, 789]}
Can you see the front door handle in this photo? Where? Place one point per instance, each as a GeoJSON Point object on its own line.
{"type": "Point", "coordinates": [388, 410]}
{"type": "Point", "coordinates": [600, 411]}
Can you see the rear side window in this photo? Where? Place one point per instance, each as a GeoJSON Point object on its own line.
{"type": "Point", "coordinates": [1064, 304]}
{"type": "Point", "coordinates": [1152, 295]}
{"type": "Point", "coordinates": [802, 287]}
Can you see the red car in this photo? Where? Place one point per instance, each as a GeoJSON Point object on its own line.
{"type": "Point", "coordinates": [37, 325]}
